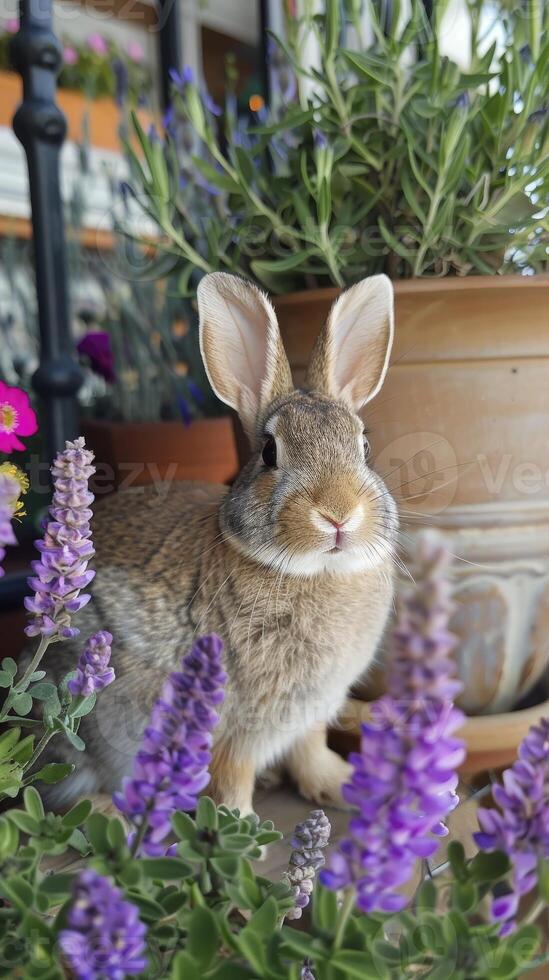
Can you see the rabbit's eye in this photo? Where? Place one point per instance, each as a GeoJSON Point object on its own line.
{"type": "Point", "coordinates": [268, 454]}
{"type": "Point", "coordinates": [366, 445]}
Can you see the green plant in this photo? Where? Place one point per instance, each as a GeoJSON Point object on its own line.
{"type": "Point", "coordinates": [398, 161]}
{"type": "Point", "coordinates": [98, 68]}
{"type": "Point", "coordinates": [210, 913]}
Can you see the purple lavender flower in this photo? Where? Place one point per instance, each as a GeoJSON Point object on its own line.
{"type": "Point", "coordinates": [105, 939]}
{"type": "Point", "coordinates": [171, 767]}
{"type": "Point", "coordinates": [93, 672]}
{"type": "Point", "coordinates": [404, 778]}
{"type": "Point", "coordinates": [66, 548]}
{"type": "Point", "coordinates": [210, 104]}
{"type": "Point", "coordinates": [308, 841]}
{"type": "Point", "coordinates": [319, 140]}
{"type": "Point", "coordinates": [9, 496]}
{"type": "Point", "coordinates": [421, 668]}
{"type": "Point", "coordinates": [182, 78]}
{"type": "Point", "coordinates": [521, 826]}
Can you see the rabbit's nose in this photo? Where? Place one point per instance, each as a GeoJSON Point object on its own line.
{"type": "Point", "coordinates": [332, 520]}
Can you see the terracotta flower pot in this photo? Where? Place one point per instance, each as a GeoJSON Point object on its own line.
{"type": "Point", "coordinates": [491, 741]}
{"type": "Point", "coordinates": [137, 453]}
{"type": "Point", "coordinates": [103, 115]}
{"type": "Point", "coordinates": [461, 433]}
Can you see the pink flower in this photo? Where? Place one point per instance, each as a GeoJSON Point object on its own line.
{"type": "Point", "coordinates": [16, 418]}
{"type": "Point", "coordinates": [12, 25]}
{"type": "Point", "coordinates": [135, 51]}
{"type": "Point", "coordinates": [98, 44]}
{"type": "Point", "coordinates": [70, 56]}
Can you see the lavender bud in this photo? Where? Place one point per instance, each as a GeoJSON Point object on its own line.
{"type": "Point", "coordinates": [62, 570]}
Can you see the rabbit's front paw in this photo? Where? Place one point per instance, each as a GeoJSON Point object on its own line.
{"type": "Point", "coordinates": [323, 781]}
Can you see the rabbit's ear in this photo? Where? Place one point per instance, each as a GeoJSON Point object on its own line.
{"type": "Point", "coordinates": [351, 356]}
{"type": "Point", "coordinates": [241, 346]}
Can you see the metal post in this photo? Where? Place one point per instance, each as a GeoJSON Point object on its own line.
{"type": "Point", "coordinates": [170, 45]}
{"type": "Point", "coordinates": [264, 26]}
{"type": "Point", "coordinates": [40, 126]}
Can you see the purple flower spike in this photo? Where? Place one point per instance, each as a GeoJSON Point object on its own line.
{"type": "Point", "coordinates": [421, 665]}
{"type": "Point", "coordinates": [182, 78]}
{"type": "Point", "coordinates": [308, 842]}
{"type": "Point", "coordinates": [404, 780]}
{"type": "Point", "coordinates": [105, 938]}
{"type": "Point", "coordinates": [521, 826]}
{"type": "Point", "coordinates": [93, 672]}
{"type": "Point", "coordinates": [171, 767]}
{"type": "Point", "coordinates": [9, 495]}
{"type": "Point", "coordinates": [62, 570]}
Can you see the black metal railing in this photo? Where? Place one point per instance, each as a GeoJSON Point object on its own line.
{"type": "Point", "coordinates": [40, 126]}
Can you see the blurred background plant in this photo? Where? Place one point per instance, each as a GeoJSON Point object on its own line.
{"type": "Point", "coordinates": [386, 155]}
{"type": "Point", "coordinates": [135, 336]}
{"type": "Point", "coordinates": [99, 68]}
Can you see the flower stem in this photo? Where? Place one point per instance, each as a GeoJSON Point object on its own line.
{"type": "Point", "coordinates": [345, 911]}
{"type": "Point", "coordinates": [42, 647]}
{"type": "Point", "coordinates": [537, 908]}
{"type": "Point", "coordinates": [22, 685]}
{"type": "Point", "coordinates": [46, 737]}
{"type": "Point", "coordinates": [139, 835]}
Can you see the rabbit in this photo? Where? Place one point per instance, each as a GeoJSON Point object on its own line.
{"type": "Point", "coordinates": [292, 565]}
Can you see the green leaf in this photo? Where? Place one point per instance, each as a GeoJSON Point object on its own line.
{"type": "Point", "coordinates": [426, 897]}
{"type": "Point", "coordinates": [42, 691]}
{"type": "Point", "coordinates": [325, 912]}
{"type": "Point", "coordinates": [456, 857]}
{"type": "Point", "coordinates": [6, 679]}
{"type": "Point", "coordinates": [96, 829]}
{"type": "Point", "coordinates": [9, 665]}
{"type": "Point", "coordinates": [149, 909]}
{"type": "Point", "coordinates": [22, 703]}
{"type": "Point", "coordinates": [283, 264]}
{"type": "Point", "coordinates": [203, 936]}
{"type": "Point", "coordinates": [185, 968]}
{"type": "Point", "coordinates": [206, 814]}
{"type": "Point", "coordinates": [298, 942]}
{"type": "Point", "coordinates": [77, 814]}
{"type": "Point", "coordinates": [504, 969]}
{"type": "Point", "coordinates": [84, 707]}
{"type": "Point", "coordinates": [184, 826]}
{"type": "Point", "coordinates": [486, 868]}
{"type": "Point", "coordinates": [75, 740]}
{"type": "Point", "coordinates": [9, 838]}
{"type": "Point", "coordinates": [236, 842]}
{"type": "Point", "coordinates": [7, 741]}
{"type": "Point", "coordinates": [227, 867]}
{"type": "Point", "coordinates": [525, 943]}
{"type": "Point", "coordinates": [331, 28]}
{"type": "Point", "coordinates": [23, 750]}
{"type": "Point", "coordinates": [24, 821]}
{"type": "Point", "coordinates": [78, 841]}
{"type": "Point", "coordinates": [245, 164]}
{"type": "Point", "coordinates": [33, 803]}
{"type": "Point", "coordinates": [18, 891]}
{"type": "Point", "coordinates": [216, 177]}
{"type": "Point", "coordinates": [57, 884]}
{"type": "Point", "coordinates": [165, 868]}
{"type": "Point", "coordinates": [465, 896]}
{"type": "Point", "coordinates": [116, 834]}
{"type": "Point", "coordinates": [370, 66]}
{"type": "Point", "coordinates": [53, 772]}
{"type": "Point", "coordinates": [355, 963]}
